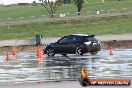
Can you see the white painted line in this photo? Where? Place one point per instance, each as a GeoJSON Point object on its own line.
{"type": "Point", "coordinates": [95, 3]}
{"type": "Point", "coordinates": [112, 9]}
{"type": "Point", "coordinates": [32, 16]}
{"type": "Point", "coordinates": [43, 15]}
{"type": "Point", "coordinates": [102, 10]}
{"type": "Point", "coordinates": [124, 8]}
{"type": "Point", "coordinates": [89, 11]}
{"type": "Point", "coordinates": [67, 13]}
{"type": "Point", "coordinates": [21, 17]}
{"type": "Point", "coordinates": [9, 18]}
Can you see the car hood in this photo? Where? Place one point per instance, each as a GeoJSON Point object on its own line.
{"type": "Point", "coordinates": [50, 44]}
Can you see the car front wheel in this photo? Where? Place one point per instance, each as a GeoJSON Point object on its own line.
{"type": "Point", "coordinates": [79, 51]}
{"type": "Point", "coordinates": [50, 52]}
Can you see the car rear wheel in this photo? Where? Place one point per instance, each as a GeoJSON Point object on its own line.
{"type": "Point", "coordinates": [50, 52]}
{"type": "Point", "coordinates": [78, 51]}
{"type": "Point", "coordinates": [93, 52]}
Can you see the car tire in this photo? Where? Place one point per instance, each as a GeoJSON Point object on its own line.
{"type": "Point", "coordinates": [64, 54]}
{"type": "Point", "coordinates": [50, 52]}
{"type": "Point", "coordinates": [93, 52]}
{"type": "Point", "coordinates": [79, 51]}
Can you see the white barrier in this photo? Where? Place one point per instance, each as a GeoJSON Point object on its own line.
{"type": "Point", "coordinates": [97, 13]}
{"type": "Point", "coordinates": [62, 15]}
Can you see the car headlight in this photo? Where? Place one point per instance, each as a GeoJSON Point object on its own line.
{"type": "Point", "coordinates": [87, 43]}
{"type": "Point", "coordinates": [45, 46]}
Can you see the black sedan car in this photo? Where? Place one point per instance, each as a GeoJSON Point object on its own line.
{"type": "Point", "coordinates": [73, 44]}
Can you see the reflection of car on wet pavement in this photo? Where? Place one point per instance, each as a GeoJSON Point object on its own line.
{"type": "Point", "coordinates": [73, 44]}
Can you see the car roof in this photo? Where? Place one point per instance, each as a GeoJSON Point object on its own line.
{"type": "Point", "coordinates": [84, 35]}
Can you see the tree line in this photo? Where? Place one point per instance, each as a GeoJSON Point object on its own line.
{"type": "Point", "coordinates": [51, 6]}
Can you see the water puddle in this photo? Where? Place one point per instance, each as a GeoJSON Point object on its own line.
{"type": "Point", "coordinates": [27, 68]}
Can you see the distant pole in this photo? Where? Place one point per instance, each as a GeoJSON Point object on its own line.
{"type": "Point", "coordinates": [8, 26]}
{"type": "Point", "coordinates": [102, 1]}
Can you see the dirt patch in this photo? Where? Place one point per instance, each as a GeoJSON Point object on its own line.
{"type": "Point", "coordinates": [4, 50]}
{"type": "Point", "coordinates": [117, 44]}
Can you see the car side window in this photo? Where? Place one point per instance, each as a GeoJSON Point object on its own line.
{"type": "Point", "coordinates": [78, 39]}
{"type": "Point", "coordinates": [66, 39]}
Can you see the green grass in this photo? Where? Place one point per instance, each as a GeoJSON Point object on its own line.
{"type": "Point", "coordinates": [16, 12]}
{"type": "Point", "coordinates": [114, 26]}
{"type": "Point", "coordinates": [51, 29]}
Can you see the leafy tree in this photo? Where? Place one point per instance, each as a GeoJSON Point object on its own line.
{"type": "Point", "coordinates": [79, 4]}
{"type": "Point", "coordinates": [34, 3]}
{"type": "Point", "coordinates": [51, 6]}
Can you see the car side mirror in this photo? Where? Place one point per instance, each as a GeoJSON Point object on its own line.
{"type": "Point", "coordinates": [58, 41]}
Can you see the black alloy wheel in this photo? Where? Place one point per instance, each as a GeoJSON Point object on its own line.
{"type": "Point", "coordinates": [50, 52]}
{"type": "Point", "coordinates": [79, 51]}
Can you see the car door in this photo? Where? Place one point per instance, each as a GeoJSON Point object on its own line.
{"type": "Point", "coordinates": [70, 44]}
{"type": "Point", "coordinates": [60, 45]}
{"type": "Point", "coordinates": [77, 42]}
{"type": "Point", "coordinates": [65, 45]}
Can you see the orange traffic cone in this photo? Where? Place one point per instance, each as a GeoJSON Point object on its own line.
{"type": "Point", "coordinates": [37, 52]}
{"type": "Point", "coordinates": [7, 57]}
{"type": "Point", "coordinates": [111, 51]}
{"type": "Point", "coordinates": [14, 52]}
{"type": "Point", "coordinates": [86, 74]}
{"type": "Point", "coordinates": [40, 56]}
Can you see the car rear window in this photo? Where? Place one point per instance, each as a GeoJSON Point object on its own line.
{"type": "Point", "coordinates": [90, 39]}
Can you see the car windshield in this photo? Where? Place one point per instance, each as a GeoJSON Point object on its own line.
{"type": "Point", "coordinates": [90, 39]}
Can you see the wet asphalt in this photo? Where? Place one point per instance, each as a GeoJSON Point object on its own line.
{"type": "Point", "coordinates": [64, 70]}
